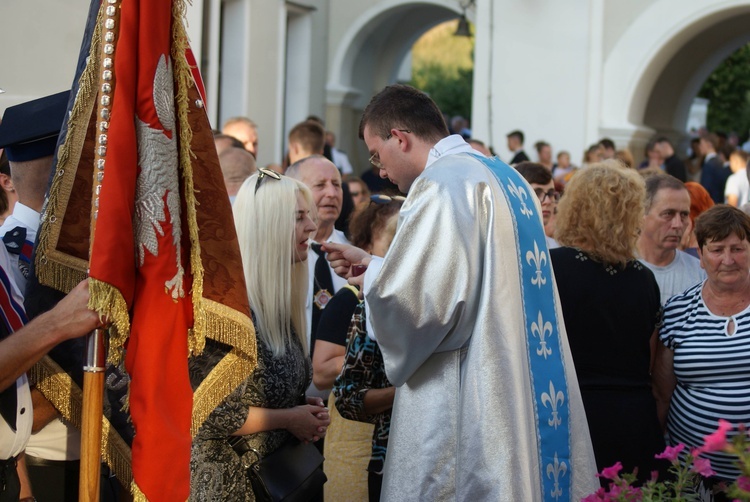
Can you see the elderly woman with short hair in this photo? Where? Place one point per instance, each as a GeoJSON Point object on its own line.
{"type": "Point", "coordinates": [702, 370]}
{"type": "Point", "coordinates": [611, 307]}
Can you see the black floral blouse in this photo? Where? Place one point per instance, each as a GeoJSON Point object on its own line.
{"type": "Point", "coordinates": [217, 472]}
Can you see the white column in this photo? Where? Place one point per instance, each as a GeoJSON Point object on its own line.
{"type": "Point", "coordinates": [536, 55]}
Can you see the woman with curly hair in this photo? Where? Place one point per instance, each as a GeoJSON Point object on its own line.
{"type": "Point", "coordinates": [611, 307]}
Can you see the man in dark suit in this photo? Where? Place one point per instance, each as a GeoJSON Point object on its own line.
{"type": "Point", "coordinates": [515, 145]}
{"type": "Point", "coordinates": [713, 173]}
{"type": "Point", "coordinates": [672, 164]}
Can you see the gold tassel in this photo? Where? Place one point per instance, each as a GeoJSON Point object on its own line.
{"type": "Point", "coordinates": [108, 302]}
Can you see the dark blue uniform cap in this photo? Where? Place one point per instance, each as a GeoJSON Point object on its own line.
{"type": "Point", "coordinates": [29, 131]}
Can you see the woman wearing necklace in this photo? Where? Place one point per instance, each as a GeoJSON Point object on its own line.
{"type": "Point", "coordinates": [611, 307]}
{"type": "Point", "coordinates": [702, 370]}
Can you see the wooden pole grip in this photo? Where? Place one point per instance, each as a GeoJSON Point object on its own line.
{"type": "Point", "coordinates": [91, 437]}
{"type": "Point", "coordinates": [91, 421]}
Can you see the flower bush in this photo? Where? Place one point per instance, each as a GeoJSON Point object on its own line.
{"type": "Point", "coordinates": [686, 471]}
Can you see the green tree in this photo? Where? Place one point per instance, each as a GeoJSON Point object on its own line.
{"type": "Point", "coordinates": [728, 92]}
{"type": "Point", "coordinates": [451, 90]}
{"type": "Point", "coordinates": [443, 67]}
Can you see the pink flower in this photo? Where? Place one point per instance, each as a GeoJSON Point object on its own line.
{"type": "Point", "coordinates": [611, 472]}
{"type": "Point", "coordinates": [718, 440]}
{"type": "Point", "coordinates": [743, 483]}
{"type": "Point", "coordinates": [702, 466]}
{"type": "Point", "coordinates": [598, 496]}
{"type": "Point", "coordinates": [671, 453]}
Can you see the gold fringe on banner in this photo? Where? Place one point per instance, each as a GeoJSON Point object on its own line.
{"type": "Point", "coordinates": [137, 494]}
{"type": "Point", "coordinates": [108, 302]}
{"type": "Point", "coordinates": [231, 327]}
{"type": "Point", "coordinates": [226, 376]}
{"type": "Point", "coordinates": [183, 81]}
{"type": "Point", "coordinates": [67, 398]}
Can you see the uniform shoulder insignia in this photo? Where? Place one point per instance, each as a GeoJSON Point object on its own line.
{"type": "Point", "coordinates": [14, 240]}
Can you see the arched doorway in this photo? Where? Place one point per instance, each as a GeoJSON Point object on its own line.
{"type": "Point", "coordinates": [369, 57]}
{"type": "Point", "coordinates": [657, 67]}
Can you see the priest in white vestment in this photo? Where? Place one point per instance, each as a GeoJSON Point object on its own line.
{"type": "Point", "coordinates": [465, 310]}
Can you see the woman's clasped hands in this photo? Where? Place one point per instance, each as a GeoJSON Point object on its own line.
{"type": "Point", "coordinates": [311, 420]}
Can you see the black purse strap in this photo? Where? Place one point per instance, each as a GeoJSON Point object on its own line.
{"type": "Point", "coordinates": [241, 445]}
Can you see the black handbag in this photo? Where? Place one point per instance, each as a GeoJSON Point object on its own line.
{"type": "Point", "coordinates": [292, 473]}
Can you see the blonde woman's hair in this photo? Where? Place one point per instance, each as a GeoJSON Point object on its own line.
{"type": "Point", "coordinates": [601, 212]}
{"type": "Point", "coordinates": [277, 288]}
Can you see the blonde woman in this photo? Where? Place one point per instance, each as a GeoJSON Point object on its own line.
{"type": "Point", "coordinates": [611, 307]}
{"type": "Point", "coordinates": [274, 219]}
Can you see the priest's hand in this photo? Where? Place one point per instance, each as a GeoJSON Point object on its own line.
{"type": "Point", "coordinates": [343, 256]}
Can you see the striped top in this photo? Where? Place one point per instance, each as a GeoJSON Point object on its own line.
{"type": "Point", "coordinates": [712, 366]}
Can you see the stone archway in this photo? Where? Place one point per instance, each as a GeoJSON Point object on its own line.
{"type": "Point", "coordinates": [368, 57]}
{"type": "Point", "coordinates": [657, 67]}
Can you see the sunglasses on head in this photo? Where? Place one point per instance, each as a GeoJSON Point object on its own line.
{"type": "Point", "coordinates": [262, 173]}
{"type": "Point", "coordinates": [385, 199]}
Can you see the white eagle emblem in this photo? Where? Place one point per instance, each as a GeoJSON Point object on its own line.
{"type": "Point", "coordinates": [159, 177]}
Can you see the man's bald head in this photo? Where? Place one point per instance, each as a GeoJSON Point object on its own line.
{"type": "Point", "coordinates": [237, 164]}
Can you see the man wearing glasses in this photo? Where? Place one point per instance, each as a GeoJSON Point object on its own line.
{"type": "Point", "coordinates": [464, 309]}
{"type": "Point", "coordinates": [540, 179]}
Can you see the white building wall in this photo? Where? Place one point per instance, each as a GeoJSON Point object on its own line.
{"type": "Point", "coordinates": [531, 73]}
{"type": "Point", "coordinates": [40, 41]}
{"type": "Point", "coordinates": [566, 72]}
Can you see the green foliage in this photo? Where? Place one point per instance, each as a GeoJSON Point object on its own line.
{"type": "Point", "coordinates": [728, 90]}
{"type": "Point", "coordinates": [449, 88]}
{"type": "Point", "coordinates": [443, 67]}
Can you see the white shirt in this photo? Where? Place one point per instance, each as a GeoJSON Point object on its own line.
{"type": "Point", "coordinates": [738, 184]}
{"type": "Point", "coordinates": [684, 271]}
{"type": "Point", "coordinates": [337, 237]}
{"type": "Point", "coordinates": [11, 444]}
{"type": "Point", "coordinates": [23, 216]}
{"type": "Point", "coordinates": [57, 440]}
{"type": "Point", "coordinates": [341, 160]}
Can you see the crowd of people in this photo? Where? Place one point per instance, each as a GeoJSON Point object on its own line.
{"type": "Point", "coordinates": [447, 325]}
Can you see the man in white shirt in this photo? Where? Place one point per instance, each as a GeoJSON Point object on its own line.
{"type": "Point", "coordinates": [338, 157]}
{"type": "Point", "coordinates": [23, 347]}
{"type": "Point", "coordinates": [737, 189]}
{"type": "Point", "coordinates": [667, 211]}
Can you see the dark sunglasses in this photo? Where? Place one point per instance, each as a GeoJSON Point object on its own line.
{"type": "Point", "coordinates": [262, 173]}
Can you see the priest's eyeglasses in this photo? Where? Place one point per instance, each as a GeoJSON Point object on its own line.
{"type": "Point", "coordinates": [375, 157]}
{"type": "Point", "coordinates": [262, 173]}
{"type": "Point", "coordinates": [551, 193]}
